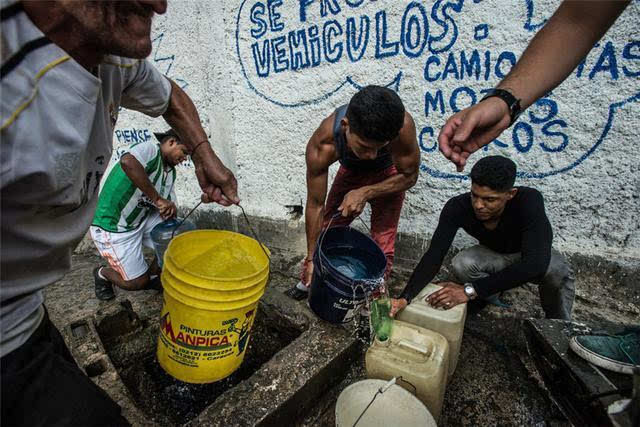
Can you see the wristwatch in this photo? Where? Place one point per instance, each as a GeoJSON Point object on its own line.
{"type": "Point", "coordinates": [470, 291]}
{"type": "Point", "coordinates": [513, 103]}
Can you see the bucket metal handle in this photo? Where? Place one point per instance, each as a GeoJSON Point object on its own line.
{"type": "Point", "coordinates": [255, 235]}
{"type": "Point", "coordinates": [185, 218]}
{"type": "Point", "coordinates": [382, 390]}
{"type": "Point", "coordinates": [321, 239]}
{"type": "Point", "coordinates": [246, 218]}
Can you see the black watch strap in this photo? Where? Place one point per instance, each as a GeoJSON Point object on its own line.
{"type": "Point", "coordinates": [512, 102]}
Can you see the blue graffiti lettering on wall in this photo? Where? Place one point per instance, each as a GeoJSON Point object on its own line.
{"type": "Point", "coordinates": [132, 136]}
{"type": "Point", "coordinates": [350, 39]}
{"type": "Point", "coordinates": [458, 63]}
{"type": "Point", "coordinates": [164, 61]}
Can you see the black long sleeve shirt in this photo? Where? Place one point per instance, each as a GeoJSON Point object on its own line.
{"type": "Point", "coordinates": [523, 227]}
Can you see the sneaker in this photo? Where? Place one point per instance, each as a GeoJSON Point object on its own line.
{"type": "Point", "coordinates": [103, 288]}
{"type": "Point", "coordinates": [298, 292]}
{"type": "Point", "coordinates": [618, 353]}
{"type": "Point", "coordinates": [495, 300]}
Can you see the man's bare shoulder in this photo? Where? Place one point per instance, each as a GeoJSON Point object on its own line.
{"type": "Point", "coordinates": [321, 150]}
{"type": "Point", "coordinates": [322, 138]}
{"type": "Point", "coordinates": [407, 134]}
{"type": "Point", "coordinates": [324, 133]}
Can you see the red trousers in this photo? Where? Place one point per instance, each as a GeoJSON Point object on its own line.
{"type": "Point", "coordinates": [385, 210]}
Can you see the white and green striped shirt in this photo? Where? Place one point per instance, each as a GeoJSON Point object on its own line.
{"type": "Point", "coordinates": [121, 205]}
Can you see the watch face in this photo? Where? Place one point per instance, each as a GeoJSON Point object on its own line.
{"type": "Point", "coordinates": [469, 290]}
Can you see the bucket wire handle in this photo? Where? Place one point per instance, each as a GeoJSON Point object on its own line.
{"type": "Point", "coordinates": [255, 235]}
{"type": "Point", "coordinates": [321, 239]}
{"type": "Point", "coordinates": [185, 218]}
{"type": "Point", "coordinates": [324, 231]}
{"type": "Point", "coordinates": [380, 390]}
{"type": "Point", "coordinates": [383, 389]}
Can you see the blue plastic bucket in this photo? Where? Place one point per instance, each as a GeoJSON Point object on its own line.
{"type": "Point", "coordinates": [344, 258]}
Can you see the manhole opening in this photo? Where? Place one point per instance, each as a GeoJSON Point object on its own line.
{"type": "Point", "coordinates": [79, 329]}
{"type": "Point", "coordinates": [167, 400]}
{"type": "Point", "coordinates": [96, 368]}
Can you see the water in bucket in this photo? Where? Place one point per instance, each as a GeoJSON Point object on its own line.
{"type": "Point", "coordinates": [350, 262]}
{"type": "Point", "coordinates": [224, 259]}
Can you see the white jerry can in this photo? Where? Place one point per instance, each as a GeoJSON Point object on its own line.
{"type": "Point", "coordinates": [419, 356]}
{"type": "Point", "coordinates": [449, 323]}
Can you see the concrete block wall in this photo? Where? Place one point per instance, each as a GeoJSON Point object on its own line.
{"type": "Point", "coordinates": [264, 73]}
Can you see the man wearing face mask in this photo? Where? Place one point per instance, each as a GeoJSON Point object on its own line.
{"type": "Point", "coordinates": [514, 247]}
{"type": "Point", "coordinates": [68, 66]}
{"type": "Point", "coordinates": [374, 139]}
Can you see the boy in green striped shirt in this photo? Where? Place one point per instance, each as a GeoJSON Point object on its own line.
{"type": "Point", "coordinates": [136, 195]}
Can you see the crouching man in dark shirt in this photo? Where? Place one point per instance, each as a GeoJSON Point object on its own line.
{"type": "Point", "coordinates": [514, 247]}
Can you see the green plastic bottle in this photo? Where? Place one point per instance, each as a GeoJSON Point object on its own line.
{"type": "Point", "coordinates": [381, 322]}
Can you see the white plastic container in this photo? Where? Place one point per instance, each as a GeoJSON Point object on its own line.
{"type": "Point", "coordinates": [419, 356]}
{"type": "Point", "coordinates": [449, 323]}
{"type": "Point", "coordinates": [393, 406]}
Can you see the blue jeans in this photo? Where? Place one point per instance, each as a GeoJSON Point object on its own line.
{"type": "Point", "coordinates": [556, 287]}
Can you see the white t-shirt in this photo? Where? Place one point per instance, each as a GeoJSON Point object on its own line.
{"type": "Point", "coordinates": [57, 122]}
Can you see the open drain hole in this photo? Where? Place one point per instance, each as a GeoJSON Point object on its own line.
{"type": "Point", "coordinates": [96, 368]}
{"type": "Point", "coordinates": [169, 401]}
{"type": "Point", "coordinates": [79, 329]}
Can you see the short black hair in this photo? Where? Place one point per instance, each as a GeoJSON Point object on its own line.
{"type": "Point", "coordinates": [376, 113]}
{"type": "Point", "coordinates": [162, 137]}
{"type": "Point", "coordinates": [496, 172]}
{"type": "Point", "coordinates": [168, 137]}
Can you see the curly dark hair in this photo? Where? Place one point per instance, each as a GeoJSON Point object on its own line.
{"type": "Point", "coordinates": [376, 113]}
{"type": "Point", "coordinates": [495, 172]}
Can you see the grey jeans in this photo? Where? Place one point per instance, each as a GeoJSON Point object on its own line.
{"type": "Point", "coordinates": [556, 287]}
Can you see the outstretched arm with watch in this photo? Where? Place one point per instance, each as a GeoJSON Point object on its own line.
{"type": "Point", "coordinates": [452, 294]}
{"type": "Point", "coordinates": [537, 237]}
{"type": "Point", "coordinates": [551, 56]}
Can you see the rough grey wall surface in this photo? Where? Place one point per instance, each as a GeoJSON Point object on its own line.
{"type": "Point", "coordinates": [263, 74]}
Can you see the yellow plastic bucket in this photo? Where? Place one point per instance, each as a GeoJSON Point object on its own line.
{"type": "Point", "coordinates": [212, 282]}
